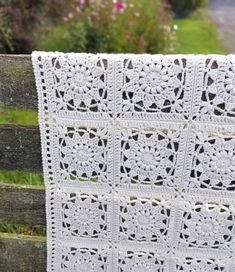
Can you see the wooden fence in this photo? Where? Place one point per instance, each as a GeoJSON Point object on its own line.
{"type": "Point", "coordinates": [20, 150]}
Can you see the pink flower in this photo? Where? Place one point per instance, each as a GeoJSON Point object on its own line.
{"type": "Point", "coordinates": [160, 10]}
{"type": "Point", "coordinates": [82, 2]}
{"type": "Point", "coordinates": [137, 14]}
{"type": "Point", "coordinates": [127, 35]}
{"type": "Point", "coordinates": [120, 6]}
{"type": "Point", "coordinates": [167, 5]}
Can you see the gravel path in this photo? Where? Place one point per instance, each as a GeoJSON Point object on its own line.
{"type": "Point", "coordinates": [222, 13]}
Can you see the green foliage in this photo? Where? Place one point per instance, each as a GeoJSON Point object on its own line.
{"type": "Point", "coordinates": [5, 34]}
{"type": "Point", "coordinates": [65, 38]}
{"type": "Point", "coordinates": [100, 26]}
{"type": "Point", "coordinates": [147, 28]}
{"type": "Point", "coordinates": [197, 35]}
{"type": "Point", "coordinates": [183, 8]}
{"type": "Point", "coordinates": [78, 38]}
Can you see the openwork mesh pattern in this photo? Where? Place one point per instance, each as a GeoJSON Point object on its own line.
{"type": "Point", "coordinates": [139, 161]}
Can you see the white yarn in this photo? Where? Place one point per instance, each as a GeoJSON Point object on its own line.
{"type": "Point", "coordinates": [139, 161]}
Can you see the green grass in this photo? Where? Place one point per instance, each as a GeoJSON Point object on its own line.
{"type": "Point", "coordinates": [9, 116]}
{"type": "Point", "coordinates": [21, 229]}
{"type": "Point", "coordinates": [18, 177]}
{"type": "Point", "coordinates": [197, 35]}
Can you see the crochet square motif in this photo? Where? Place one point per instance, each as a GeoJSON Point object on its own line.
{"type": "Point", "coordinates": [139, 161]}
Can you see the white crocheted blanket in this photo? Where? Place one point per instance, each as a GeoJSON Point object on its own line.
{"type": "Point", "coordinates": [139, 161]}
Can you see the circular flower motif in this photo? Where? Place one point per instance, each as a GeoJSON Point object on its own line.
{"type": "Point", "coordinates": [207, 228]}
{"type": "Point", "coordinates": [85, 217]}
{"type": "Point", "coordinates": [83, 154]}
{"type": "Point", "coordinates": [144, 221]}
{"type": "Point", "coordinates": [146, 159]}
{"type": "Point", "coordinates": [223, 162]}
{"type": "Point", "coordinates": [80, 78]}
{"type": "Point", "coordinates": [84, 266]}
{"type": "Point", "coordinates": [153, 78]}
{"type": "Point", "coordinates": [217, 162]}
{"type": "Point", "coordinates": [78, 83]}
{"type": "Point", "coordinates": [223, 85]}
{"type": "Point", "coordinates": [153, 86]}
{"type": "Point", "coordinates": [85, 261]}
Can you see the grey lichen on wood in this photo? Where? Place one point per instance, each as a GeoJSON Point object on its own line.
{"type": "Point", "coordinates": [20, 148]}
{"type": "Point", "coordinates": [21, 253]}
{"type": "Point", "coordinates": [21, 204]}
{"type": "Point", "coordinates": [17, 83]}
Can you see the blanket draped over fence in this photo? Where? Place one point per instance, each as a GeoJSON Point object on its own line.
{"type": "Point", "coordinates": [139, 161]}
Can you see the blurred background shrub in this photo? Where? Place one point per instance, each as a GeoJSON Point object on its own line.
{"type": "Point", "coordinates": [114, 26]}
{"type": "Point", "coordinates": [86, 25]}
{"type": "Point", "coordinates": [21, 22]}
{"type": "Point", "coordinates": [182, 8]}
{"type": "Point", "coordinates": [118, 26]}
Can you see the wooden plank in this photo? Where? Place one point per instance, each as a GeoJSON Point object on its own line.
{"type": "Point", "coordinates": [17, 83]}
{"type": "Point", "coordinates": [20, 148]}
{"type": "Point", "coordinates": [22, 204]}
{"type": "Point", "coordinates": [21, 253]}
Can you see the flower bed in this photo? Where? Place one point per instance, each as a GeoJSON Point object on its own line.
{"type": "Point", "coordinates": [114, 26]}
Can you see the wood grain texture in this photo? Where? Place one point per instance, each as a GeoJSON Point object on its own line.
{"type": "Point", "coordinates": [20, 148]}
{"type": "Point", "coordinates": [21, 253]}
{"type": "Point", "coordinates": [17, 83]}
{"type": "Point", "coordinates": [22, 204]}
